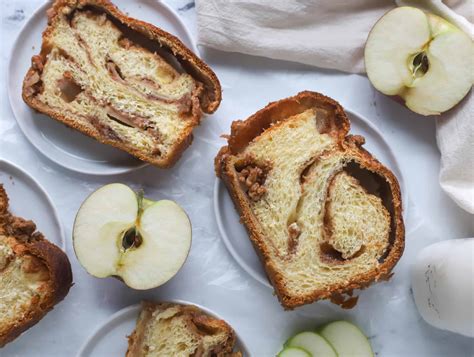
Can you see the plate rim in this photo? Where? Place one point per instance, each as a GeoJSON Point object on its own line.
{"type": "Point", "coordinates": [130, 308]}
{"type": "Point", "coordinates": [225, 238]}
{"type": "Point", "coordinates": [64, 163]}
{"type": "Point", "coordinates": [62, 237]}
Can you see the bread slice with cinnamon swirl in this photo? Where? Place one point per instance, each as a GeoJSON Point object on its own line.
{"type": "Point", "coordinates": [122, 81]}
{"type": "Point", "coordinates": [170, 329]}
{"type": "Point", "coordinates": [35, 274]}
{"type": "Point", "coordinates": [323, 214]}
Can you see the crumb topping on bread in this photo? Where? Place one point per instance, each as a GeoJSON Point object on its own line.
{"type": "Point", "coordinates": [252, 178]}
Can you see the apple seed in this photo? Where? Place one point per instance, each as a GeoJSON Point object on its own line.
{"type": "Point", "coordinates": [131, 239]}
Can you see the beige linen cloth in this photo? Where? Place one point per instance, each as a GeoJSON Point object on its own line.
{"type": "Point", "coordinates": [332, 34]}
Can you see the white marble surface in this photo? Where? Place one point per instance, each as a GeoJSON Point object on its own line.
{"type": "Point", "coordinates": [211, 277]}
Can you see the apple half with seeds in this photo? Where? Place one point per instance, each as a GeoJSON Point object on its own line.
{"type": "Point", "coordinates": [420, 57]}
{"type": "Point", "coordinates": [117, 232]}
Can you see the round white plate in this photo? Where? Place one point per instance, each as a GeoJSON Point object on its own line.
{"type": "Point", "coordinates": [235, 236]}
{"type": "Point", "coordinates": [27, 199]}
{"type": "Point", "coordinates": [110, 339]}
{"type": "Point", "coordinates": [63, 145]}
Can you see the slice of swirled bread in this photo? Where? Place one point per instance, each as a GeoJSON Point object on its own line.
{"type": "Point", "coordinates": [121, 81]}
{"type": "Point", "coordinates": [34, 274]}
{"type": "Point", "coordinates": [168, 329]}
{"type": "Point", "coordinates": [322, 213]}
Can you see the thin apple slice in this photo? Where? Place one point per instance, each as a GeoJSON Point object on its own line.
{"type": "Point", "coordinates": [293, 352]}
{"type": "Point", "coordinates": [106, 213]}
{"type": "Point", "coordinates": [313, 343]}
{"type": "Point", "coordinates": [395, 38]}
{"type": "Point", "coordinates": [166, 232]}
{"type": "Point", "coordinates": [347, 339]}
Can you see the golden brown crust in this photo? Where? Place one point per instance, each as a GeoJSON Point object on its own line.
{"type": "Point", "coordinates": [244, 131]}
{"type": "Point", "coordinates": [135, 340]}
{"type": "Point", "coordinates": [31, 243]}
{"type": "Point", "coordinates": [200, 323]}
{"type": "Point", "coordinates": [209, 94]}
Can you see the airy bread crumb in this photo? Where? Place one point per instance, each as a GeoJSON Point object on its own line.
{"type": "Point", "coordinates": [168, 329]}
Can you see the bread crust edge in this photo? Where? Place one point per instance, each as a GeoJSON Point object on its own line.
{"type": "Point", "coordinates": [59, 269]}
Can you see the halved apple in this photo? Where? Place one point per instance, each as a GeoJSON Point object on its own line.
{"type": "Point", "coordinates": [420, 57]}
{"type": "Point", "coordinates": [118, 232]}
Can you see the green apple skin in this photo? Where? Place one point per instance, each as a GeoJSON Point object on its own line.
{"type": "Point", "coordinates": [347, 339]}
{"type": "Point", "coordinates": [313, 343]}
{"type": "Point", "coordinates": [293, 352]}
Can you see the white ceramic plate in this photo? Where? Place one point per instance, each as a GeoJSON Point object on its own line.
{"type": "Point", "coordinates": [235, 236]}
{"type": "Point", "coordinates": [63, 145]}
{"type": "Point", "coordinates": [110, 338]}
{"type": "Point", "coordinates": [29, 200]}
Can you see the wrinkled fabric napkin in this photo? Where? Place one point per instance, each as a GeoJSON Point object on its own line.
{"type": "Point", "coordinates": [332, 34]}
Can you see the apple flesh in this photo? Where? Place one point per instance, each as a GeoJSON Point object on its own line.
{"type": "Point", "coordinates": [346, 339]}
{"type": "Point", "coordinates": [312, 343]}
{"type": "Point", "coordinates": [420, 57]}
{"type": "Point", "coordinates": [119, 233]}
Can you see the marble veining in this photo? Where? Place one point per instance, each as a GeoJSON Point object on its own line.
{"type": "Point", "coordinates": [18, 15]}
{"type": "Point", "coordinates": [190, 5]}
